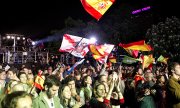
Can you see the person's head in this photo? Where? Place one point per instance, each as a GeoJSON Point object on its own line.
{"type": "Point", "coordinates": [103, 78]}
{"type": "Point", "coordinates": [18, 99]}
{"type": "Point", "coordinates": [149, 76]}
{"type": "Point", "coordinates": [160, 79]}
{"type": "Point", "coordinates": [87, 80]}
{"type": "Point", "coordinates": [50, 70]}
{"type": "Point", "coordinates": [65, 92]}
{"type": "Point", "coordinates": [175, 69]}
{"type": "Point", "coordinates": [70, 81]}
{"type": "Point", "coordinates": [2, 74]}
{"type": "Point", "coordinates": [11, 73]}
{"type": "Point", "coordinates": [22, 77]}
{"type": "Point", "coordinates": [140, 71]}
{"type": "Point", "coordinates": [77, 75]}
{"type": "Point", "coordinates": [99, 90]}
{"type": "Point", "coordinates": [51, 85]}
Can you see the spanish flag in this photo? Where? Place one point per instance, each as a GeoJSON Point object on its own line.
{"type": "Point", "coordinates": [97, 8]}
{"type": "Point", "coordinates": [112, 58]}
{"type": "Point", "coordinates": [147, 61]}
{"type": "Point", "coordinates": [133, 53]}
{"type": "Point", "coordinates": [139, 45]}
{"type": "Point", "coordinates": [39, 81]}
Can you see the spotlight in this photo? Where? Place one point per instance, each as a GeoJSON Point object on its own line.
{"type": "Point", "coordinates": [23, 38]}
{"type": "Point", "coordinates": [93, 40]}
{"type": "Point", "coordinates": [33, 43]}
{"type": "Point", "coordinates": [18, 38]}
{"type": "Point", "coordinates": [8, 37]}
{"type": "Point", "coordinates": [12, 37]}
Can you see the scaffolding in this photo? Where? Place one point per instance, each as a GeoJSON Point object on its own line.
{"type": "Point", "coordinates": [7, 55]}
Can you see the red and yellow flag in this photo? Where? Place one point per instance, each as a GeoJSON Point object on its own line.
{"type": "Point", "coordinates": [97, 8]}
{"type": "Point", "coordinates": [112, 58]}
{"type": "Point", "coordinates": [100, 52]}
{"type": "Point", "coordinates": [147, 60]}
{"type": "Point", "coordinates": [139, 45]}
{"type": "Point", "coordinates": [39, 81]}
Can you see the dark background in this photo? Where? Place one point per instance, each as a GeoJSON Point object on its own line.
{"type": "Point", "coordinates": [38, 18]}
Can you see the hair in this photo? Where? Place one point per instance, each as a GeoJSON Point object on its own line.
{"type": "Point", "coordinates": [10, 100]}
{"type": "Point", "coordinates": [96, 87]}
{"type": "Point", "coordinates": [60, 93]}
{"type": "Point", "coordinates": [51, 80]}
{"type": "Point", "coordinates": [2, 70]}
{"type": "Point", "coordinates": [84, 84]}
{"type": "Point", "coordinates": [21, 73]}
{"type": "Point", "coordinates": [68, 79]}
{"type": "Point", "coordinates": [172, 66]}
{"type": "Point", "coordinates": [14, 70]}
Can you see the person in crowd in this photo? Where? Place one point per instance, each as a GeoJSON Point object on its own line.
{"type": "Point", "coordinates": [2, 81]}
{"type": "Point", "coordinates": [66, 99]}
{"type": "Point", "coordinates": [18, 99]}
{"type": "Point", "coordinates": [160, 94]}
{"type": "Point", "coordinates": [102, 100]}
{"type": "Point", "coordinates": [138, 76]}
{"type": "Point", "coordinates": [145, 91]}
{"type": "Point", "coordinates": [78, 78]}
{"type": "Point", "coordinates": [86, 90]}
{"type": "Point", "coordinates": [173, 86]}
{"type": "Point", "coordinates": [12, 74]}
{"type": "Point", "coordinates": [70, 81]}
{"type": "Point", "coordinates": [23, 79]}
{"type": "Point", "coordinates": [48, 97]}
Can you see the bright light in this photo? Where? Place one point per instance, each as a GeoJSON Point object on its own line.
{"type": "Point", "coordinates": [18, 38]}
{"type": "Point", "coordinates": [8, 37]}
{"type": "Point", "coordinates": [33, 43]}
{"type": "Point", "coordinates": [93, 40]}
{"type": "Point", "coordinates": [12, 37]}
{"type": "Point", "coordinates": [23, 38]}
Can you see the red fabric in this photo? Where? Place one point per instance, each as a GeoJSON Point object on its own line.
{"type": "Point", "coordinates": [121, 101]}
{"type": "Point", "coordinates": [106, 101]}
{"type": "Point", "coordinates": [91, 10]}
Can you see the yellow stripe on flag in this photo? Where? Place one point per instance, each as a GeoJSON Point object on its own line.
{"type": "Point", "coordinates": [100, 5]}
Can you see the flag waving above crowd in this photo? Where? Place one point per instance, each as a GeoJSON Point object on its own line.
{"type": "Point", "coordinates": [100, 52]}
{"type": "Point", "coordinates": [139, 45]}
{"type": "Point", "coordinates": [97, 8]}
{"type": "Point", "coordinates": [77, 46]}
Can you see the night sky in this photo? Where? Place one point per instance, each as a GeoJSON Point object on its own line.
{"type": "Point", "coordinates": [33, 18]}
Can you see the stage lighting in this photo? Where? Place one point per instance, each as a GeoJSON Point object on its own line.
{"type": "Point", "coordinates": [93, 40]}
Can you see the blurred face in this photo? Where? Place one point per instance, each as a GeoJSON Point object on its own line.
{"type": "Point", "coordinates": [51, 92]}
{"type": "Point", "coordinates": [66, 93]}
{"type": "Point", "coordinates": [26, 70]}
{"type": "Point", "coordinates": [23, 78]}
{"type": "Point", "coordinates": [10, 75]}
{"type": "Point", "coordinates": [100, 91]}
{"type": "Point", "coordinates": [71, 84]}
{"type": "Point", "coordinates": [50, 70]}
{"type": "Point", "coordinates": [162, 79]}
{"type": "Point", "coordinates": [140, 71]}
{"type": "Point", "coordinates": [24, 102]}
{"type": "Point", "coordinates": [89, 80]}
{"type": "Point", "coordinates": [104, 79]}
{"type": "Point", "coordinates": [177, 70]}
{"type": "Point", "coordinates": [3, 75]}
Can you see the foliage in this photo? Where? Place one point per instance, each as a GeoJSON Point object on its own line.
{"type": "Point", "coordinates": [164, 37]}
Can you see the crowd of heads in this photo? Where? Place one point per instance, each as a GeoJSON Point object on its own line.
{"type": "Point", "coordinates": [86, 86]}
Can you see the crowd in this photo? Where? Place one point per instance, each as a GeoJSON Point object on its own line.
{"type": "Point", "coordinates": [102, 86]}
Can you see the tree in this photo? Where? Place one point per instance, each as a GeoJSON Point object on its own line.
{"type": "Point", "coordinates": [164, 37]}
